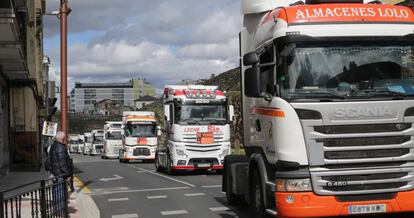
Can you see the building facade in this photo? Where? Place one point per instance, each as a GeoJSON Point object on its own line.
{"type": "Point", "coordinates": [21, 84]}
{"type": "Point", "coordinates": [84, 96]}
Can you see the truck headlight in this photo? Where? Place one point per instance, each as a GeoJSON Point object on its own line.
{"type": "Point", "coordinates": [293, 185]}
{"type": "Point", "coordinates": [224, 153]}
{"type": "Point", "coordinates": [180, 152]}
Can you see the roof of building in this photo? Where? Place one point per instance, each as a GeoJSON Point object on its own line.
{"type": "Point", "coordinates": [147, 98]}
{"type": "Point", "coordinates": [104, 100]}
{"type": "Point", "coordinates": [104, 85]}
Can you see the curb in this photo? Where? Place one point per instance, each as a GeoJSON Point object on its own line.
{"type": "Point", "coordinates": [86, 207]}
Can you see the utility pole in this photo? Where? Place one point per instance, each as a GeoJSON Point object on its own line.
{"type": "Point", "coordinates": [63, 66]}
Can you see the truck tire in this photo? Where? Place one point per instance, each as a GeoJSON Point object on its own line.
{"type": "Point", "coordinates": [256, 205]}
{"type": "Point", "coordinates": [170, 170]}
{"type": "Point", "coordinates": [232, 198]}
{"type": "Point", "coordinates": [157, 163]}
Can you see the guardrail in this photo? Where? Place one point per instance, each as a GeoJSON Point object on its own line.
{"type": "Point", "coordinates": [40, 199]}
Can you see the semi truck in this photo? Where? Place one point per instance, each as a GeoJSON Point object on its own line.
{"type": "Point", "coordinates": [327, 107]}
{"type": "Point", "coordinates": [112, 139]}
{"type": "Point", "coordinates": [139, 136]}
{"type": "Point", "coordinates": [88, 143]}
{"type": "Point", "coordinates": [97, 142]}
{"type": "Point", "coordinates": [81, 143]}
{"type": "Point", "coordinates": [197, 129]}
{"type": "Point", "coordinates": [73, 143]}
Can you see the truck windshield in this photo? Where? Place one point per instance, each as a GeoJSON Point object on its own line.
{"type": "Point", "coordinates": [74, 142]}
{"type": "Point", "coordinates": [140, 129]}
{"type": "Point", "coordinates": [194, 114]}
{"type": "Point", "coordinates": [81, 141]}
{"type": "Point", "coordinates": [98, 138]}
{"type": "Point", "coordinates": [114, 135]}
{"type": "Point", "coordinates": [88, 139]}
{"type": "Point", "coordinates": [347, 72]}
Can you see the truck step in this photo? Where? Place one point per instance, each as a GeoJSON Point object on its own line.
{"type": "Point", "coordinates": [271, 212]}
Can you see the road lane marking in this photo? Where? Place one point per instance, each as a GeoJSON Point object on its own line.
{"type": "Point", "coordinates": [118, 199]}
{"type": "Point", "coordinates": [81, 185]}
{"type": "Point", "coordinates": [110, 189]}
{"type": "Point", "coordinates": [138, 190]}
{"type": "Point", "coordinates": [194, 194]}
{"type": "Point", "coordinates": [211, 186]}
{"type": "Point", "coordinates": [131, 215]}
{"type": "Point", "coordinates": [173, 212]}
{"type": "Point", "coordinates": [163, 176]}
{"type": "Point", "coordinates": [217, 209]}
{"type": "Point", "coordinates": [156, 196]}
{"type": "Point", "coordinates": [116, 177]}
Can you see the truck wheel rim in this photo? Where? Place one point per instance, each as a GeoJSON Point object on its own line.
{"type": "Point", "coordinates": [257, 196]}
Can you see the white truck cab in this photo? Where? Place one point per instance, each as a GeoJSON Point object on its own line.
{"type": "Point", "coordinates": [112, 139]}
{"type": "Point", "coordinates": [139, 136]}
{"type": "Point", "coordinates": [97, 142]}
{"type": "Point", "coordinates": [328, 109]}
{"type": "Point", "coordinates": [73, 143]}
{"type": "Point", "coordinates": [88, 143]}
{"type": "Point", "coordinates": [81, 143]}
{"type": "Point", "coordinates": [197, 127]}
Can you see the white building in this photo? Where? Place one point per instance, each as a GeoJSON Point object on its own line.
{"type": "Point", "coordinates": [85, 95]}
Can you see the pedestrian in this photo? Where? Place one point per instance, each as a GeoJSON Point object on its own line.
{"type": "Point", "coordinates": [60, 169]}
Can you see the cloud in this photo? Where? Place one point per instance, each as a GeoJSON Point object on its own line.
{"type": "Point", "coordinates": [163, 41]}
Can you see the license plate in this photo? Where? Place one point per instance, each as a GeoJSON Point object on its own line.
{"type": "Point", "coordinates": [370, 208]}
{"type": "Point", "coordinates": [203, 165]}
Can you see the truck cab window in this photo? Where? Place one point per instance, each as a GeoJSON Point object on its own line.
{"type": "Point", "coordinates": [267, 72]}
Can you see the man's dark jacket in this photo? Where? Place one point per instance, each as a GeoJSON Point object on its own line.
{"type": "Point", "coordinates": [59, 160]}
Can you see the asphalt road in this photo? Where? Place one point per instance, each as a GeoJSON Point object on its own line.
{"type": "Point", "coordinates": [136, 190]}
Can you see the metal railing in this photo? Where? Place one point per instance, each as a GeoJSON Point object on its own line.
{"type": "Point", "coordinates": [40, 199]}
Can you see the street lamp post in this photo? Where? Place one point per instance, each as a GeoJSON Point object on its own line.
{"type": "Point", "coordinates": [64, 11]}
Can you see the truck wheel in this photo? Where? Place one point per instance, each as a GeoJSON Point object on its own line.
{"type": "Point", "coordinates": [232, 198]}
{"type": "Point", "coordinates": [256, 205]}
{"type": "Point", "coordinates": [170, 170]}
{"type": "Point", "coordinates": [157, 164]}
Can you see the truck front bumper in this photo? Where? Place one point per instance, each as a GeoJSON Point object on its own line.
{"type": "Point", "coordinates": [130, 154]}
{"type": "Point", "coordinates": [308, 204]}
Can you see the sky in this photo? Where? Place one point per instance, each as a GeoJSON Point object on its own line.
{"type": "Point", "coordinates": [163, 41]}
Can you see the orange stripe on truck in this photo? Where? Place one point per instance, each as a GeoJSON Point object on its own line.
{"type": "Point", "coordinates": [308, 204]}
{"type": "Point", "coordinates": [273, 112]}
{"type": "Point", "coordinates": [141, 118]}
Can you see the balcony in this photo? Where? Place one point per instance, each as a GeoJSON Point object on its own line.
{"type": "Point", "coordinates": [13, 22]}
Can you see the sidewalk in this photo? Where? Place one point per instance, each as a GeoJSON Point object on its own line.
{"type": "Point", "coordinates": [80, 205]}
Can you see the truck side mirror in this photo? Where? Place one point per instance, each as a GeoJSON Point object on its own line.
{"type": "Point", "coordinates": [159, 131]}
{"type": "Point", "coordinates": [250, 58]}
{"type": "Point", "coordinates": [252, 87]}
{"type": "Point", "coordinates": [231, 112]}
{"type": "Point", "coordinates": [122, 131]}
{"type": "Point", "coordinates": [167, 112]}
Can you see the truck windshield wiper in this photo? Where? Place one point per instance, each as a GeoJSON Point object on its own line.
{"type": "Point", "coordinates": [325, 94]}
{"type": "Point", "coordinates": [191, 121]}
{"type": "Point", "coordinates": [381, 91]}
{"type": "Point", "coordinates": [215, 121]}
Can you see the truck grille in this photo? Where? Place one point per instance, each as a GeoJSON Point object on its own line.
{"type": "Point", "coordinates": [202, 148]}
{"type": "Point", "coordinates": [369, 128]}
{"type": "Point", "coordinates": [360, 159]}
{"type": "Point", "coordinates": [363, 181]}
{"type": "Point", "coordinates": [332, 155]}
{"type": "Point", "coordinates": [390, 140]}
{"type": "Point", "coordinates": [141, 152]}
{"type": "Point", "coordinates": [346, 144]}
